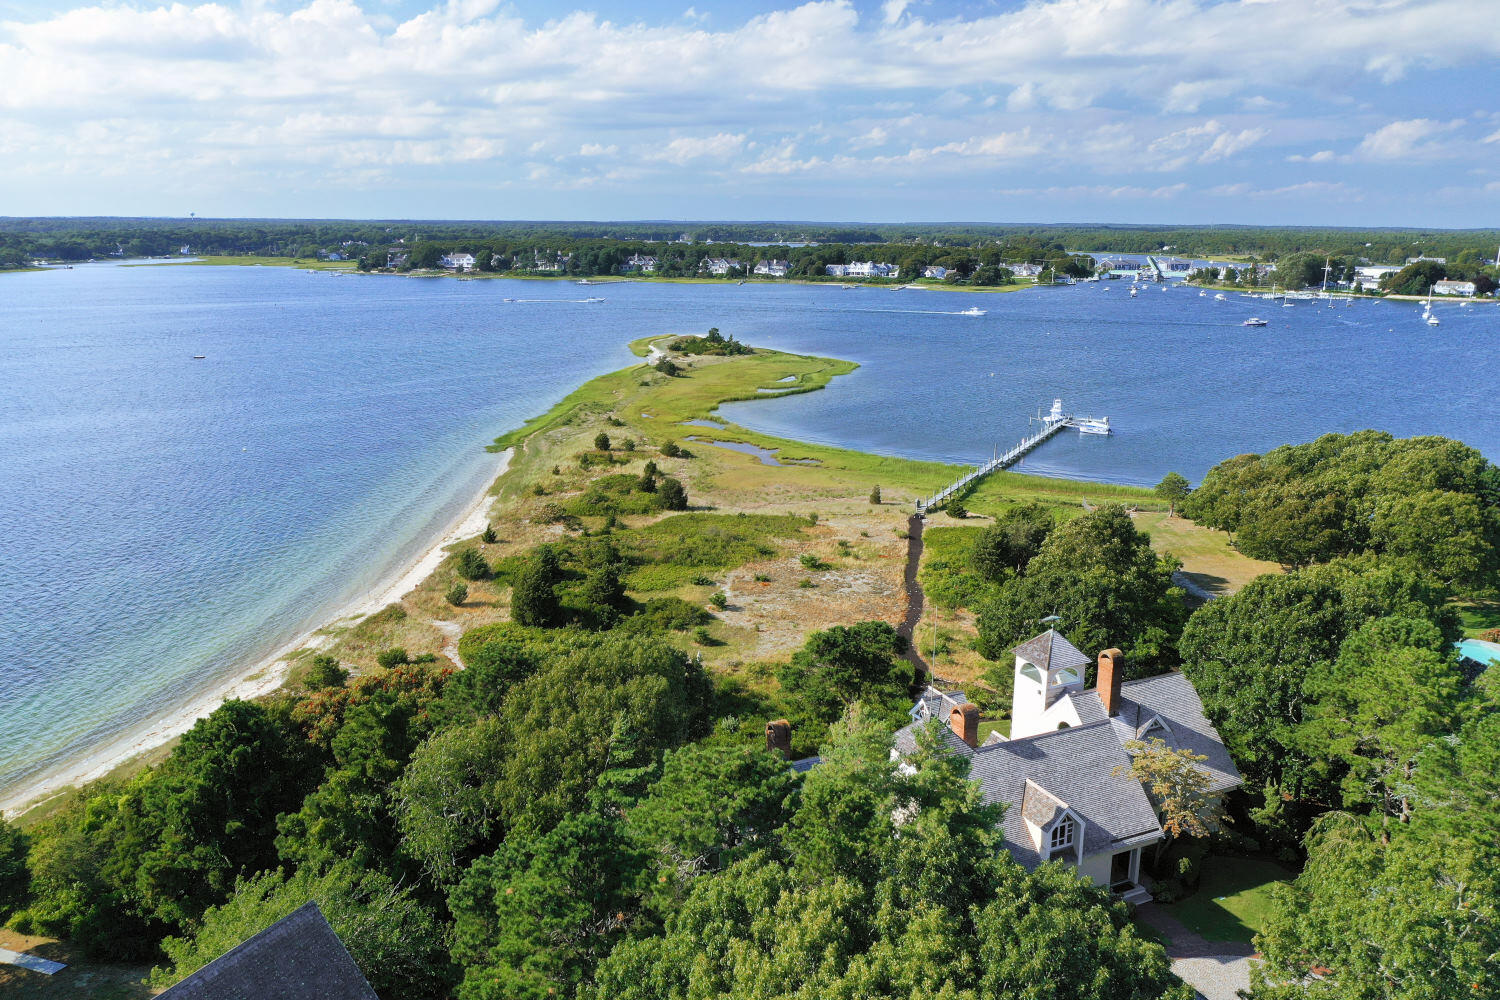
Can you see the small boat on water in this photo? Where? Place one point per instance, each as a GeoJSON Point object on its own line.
{"type": "Point", "coordinates": [593, 300]}
{"type": "Point", "coordinates": [199, 357]}
{"type": "Point", "coordinates": [972, 311]}
{"type": "Point", "coordinates": [1432, 320]}
{"type": "Point", "coordinates": [1202, 293]}
{"type": "Point", "coordinates": [1219, 297]}
{"type": "Point", "coordinates": [1133, 291]}
{"type": "Point", "coordinates": [1094, 425]}
{"type": "Point", "coordinates": [1254, 321]}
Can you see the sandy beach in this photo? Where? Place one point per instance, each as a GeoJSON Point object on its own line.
{"type": "Point", "coordinates": [256, 679]}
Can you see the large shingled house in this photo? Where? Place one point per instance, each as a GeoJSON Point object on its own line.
{"type": "Point", "coordinates": [1064, 771]}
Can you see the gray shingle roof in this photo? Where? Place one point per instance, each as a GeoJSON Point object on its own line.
{"type": "Point", "coordinates": [1039, 805]}
{"type": "Point", "coordinates": [297, 958]}
{"type": "Point", "coordinates": [1075, 765]}
{"type": "Point", "coordinates": [935, 702]}
{"type": "Point", "coordinates": [1050, 651]}
{"type": "Point", "coordinates": [805, 764]}
{"type": "Point", "coordinates": [1172, 698]}
{"type": "Point", "coordinates": [1035, 775]}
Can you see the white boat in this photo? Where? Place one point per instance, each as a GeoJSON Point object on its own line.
{"type": "Point", "coordinates": [1094, 425]}
{"type": "Point", "coordinates": [1201, 293]}
{"type": "Point", "coordinates": [1132, 291]}
{"type": "Point", "coordinates": [1254, 321]}
{"type": "Point", "coordinates": [1432, 320]}
{"type": "Point", "coordinates": [971, 311]}
{"type": "Point", "coordinates": [1219, 297]}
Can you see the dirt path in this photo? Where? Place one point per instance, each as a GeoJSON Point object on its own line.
{"type": "Point", "coordinates": [914, 599]}
{"type": "Point", "coordinates": [451, 633]}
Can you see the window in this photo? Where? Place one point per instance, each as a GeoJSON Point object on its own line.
{"type": "Point", "coordinates": [1063, 834]}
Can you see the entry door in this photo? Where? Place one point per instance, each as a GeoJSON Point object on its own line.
{"type": "Point", "coordinates": [1119, 869]}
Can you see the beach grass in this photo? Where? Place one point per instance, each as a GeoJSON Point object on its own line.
{"type": "Point", "coordinates": [311, 263]}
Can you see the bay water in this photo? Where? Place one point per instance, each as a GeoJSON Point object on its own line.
{"type": "Point", "coordinates": [165, 520]}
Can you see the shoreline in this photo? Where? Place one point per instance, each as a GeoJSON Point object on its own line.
{"type": "Point", "coordinates": [254, 680]}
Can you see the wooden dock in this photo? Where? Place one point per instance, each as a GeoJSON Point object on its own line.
{"type": "Point", "coordinates": [1049, 428]}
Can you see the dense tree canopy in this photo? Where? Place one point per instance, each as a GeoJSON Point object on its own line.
{"type": "Point", "coordinates": [1430, 499]}
{"type": "Point", "coordinates": [1100, 576]}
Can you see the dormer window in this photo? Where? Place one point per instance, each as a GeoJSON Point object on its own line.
{"type": "Point", "coordinates": [1063, 835]}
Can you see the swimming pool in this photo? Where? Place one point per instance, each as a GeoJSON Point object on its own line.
{"type": "Point", "coordinates": [1478, 650]}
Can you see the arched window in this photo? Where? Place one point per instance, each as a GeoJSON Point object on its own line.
{"type": "Point", "coordinates": [1063, 834]}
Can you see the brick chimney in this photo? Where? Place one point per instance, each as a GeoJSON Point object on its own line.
{"type": "Point", "coordinates": [964, 721]}
{"type": "Point", "coordinates": [1111, 672]}
{"type": "Point", "coordinates": [779, 738]}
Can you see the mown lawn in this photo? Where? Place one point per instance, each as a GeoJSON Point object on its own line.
{"type": "Point", "coordinates": [1232, 899]}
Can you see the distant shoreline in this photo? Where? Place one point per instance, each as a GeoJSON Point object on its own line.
{"type": "Point", "coordinates": [252, 680]}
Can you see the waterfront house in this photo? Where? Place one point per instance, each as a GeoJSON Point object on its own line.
{"type": "Point", "coordinates": [1449, 287]}
{"type": "Point", "coordinates": [1435, 260]}
{"type": "Point", "coordinates": [1370, 276]}
{"type": "Point", "coordinates": [772, 268]}
{"type": "Point", "coordinates": [1064, 772]}
{"type": "Point", "coordinates": [935, 271]}
{"type": "Point", "coordinates": [458, 261]}
{"type": "Point", "coordinates": [396, 258]}
{"type": "Point", "coordinates": [641, 262]}
{"type": "Point", "coordinates": [720, 265]}
{"type": "Point", "coordinates": [1025, 270]}
{"type": "Point", "coordinates": [862, 269]}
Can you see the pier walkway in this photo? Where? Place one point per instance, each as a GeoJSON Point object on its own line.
{"type": "Point", "coordinates": [1050, 426]}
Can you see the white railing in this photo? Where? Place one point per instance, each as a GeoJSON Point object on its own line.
{"type": "Point", "coordinates": [1000, 462]}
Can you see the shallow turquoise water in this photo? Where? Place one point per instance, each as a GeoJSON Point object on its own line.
{"type": "Point", "coordinates": [165, 520]}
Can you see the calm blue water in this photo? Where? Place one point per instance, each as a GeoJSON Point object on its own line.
{"type": "Point", "coordinates": [165, 520]}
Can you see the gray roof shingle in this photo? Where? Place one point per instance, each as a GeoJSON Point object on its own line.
{"type": "Point", "coordinates": [297, 958]}
{"type": "Point", "coordinates": [1034, 776]}
{"type": "Point", "coordinates": [1050, 651]}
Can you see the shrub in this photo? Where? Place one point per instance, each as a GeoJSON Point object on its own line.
{"type": "Point", "coordinates": [810, 561]}
{"type": "Point", "coordinates": [669, 613]}
{"type": "Point", "coordinates": [538, 490]}
{"type": "Point", "coordinates": [875, 496]}
{"type": "Point", "coordinates": [673, 496]}
{"type": "Point", "coordinates": [550, 513]}
{"type": "Point", "coordinates": [601, 441]}
{"type": "Point", "coordinates": [324, 672]}
{"type": "Point", "coordinates": [671, 449]}
{"type": "Point", "coordinates": [557, 470]}
{"type": "Point", "coordinates": [762, 578]}
{"type": "Point", "coordinates": [956, 509]}
{"type": "Point", "coordinates": [616, 422]}
{"type": "Point", "coordinates": [650, 469]}
{"type": "Point", "coordinates": [703, 581]}
{"type": "Point", "coordinates": [720, 600]}
{"type": "Point", "coordinates": [471, 565]}
{"type": "Point", "coordinates": [812, 518]}
{"type": "Point", "coordinates": [457, 594]}
{"type": "Point", "coordinates": [392, 658]}
{"type": "Point", "coordinates": [489, 537]}
{"type": "Point", "coordinates": [647, 482]}
{"type": "Point", "coordinates": [806, 584]}
{"type": "Point", "coordinates": [701, 636]}
{"type": "Point", "coordinates": [668, 367]}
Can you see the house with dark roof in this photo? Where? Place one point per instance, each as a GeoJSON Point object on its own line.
{"type": "Point", "coordinates": [297, 958]}
{"type": "Point", "coordinates": [1064, 772]}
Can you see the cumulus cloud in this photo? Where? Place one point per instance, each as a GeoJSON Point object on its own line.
{"type": "Point", "coordinates": [687, 148]}
{"type": "Point", "coordinates": [1406, 140]}
{"type": "Point", "coordinates": [259, 89]}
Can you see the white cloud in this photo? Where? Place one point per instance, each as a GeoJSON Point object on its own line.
{"type": "Point", "coordinates": [1321, 156]}
{"type": "Point", "coordinates": [688, 148]}
{"type": "Point", "coordinates": [1405, 140]}
{"type": "Point", "coordinates": [259, 90]}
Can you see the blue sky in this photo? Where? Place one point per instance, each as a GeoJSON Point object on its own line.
{"type": "Point", "coordinates": [1344, 112]}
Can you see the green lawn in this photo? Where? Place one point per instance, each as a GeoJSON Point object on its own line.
{"type": "Point", "coordinates": [1478, 615]}
{"type": "Point", "coordinates": [1232, 899]}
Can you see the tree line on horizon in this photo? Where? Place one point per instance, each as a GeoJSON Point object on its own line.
{"type": "Point", "coordinates": [77, 239]}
